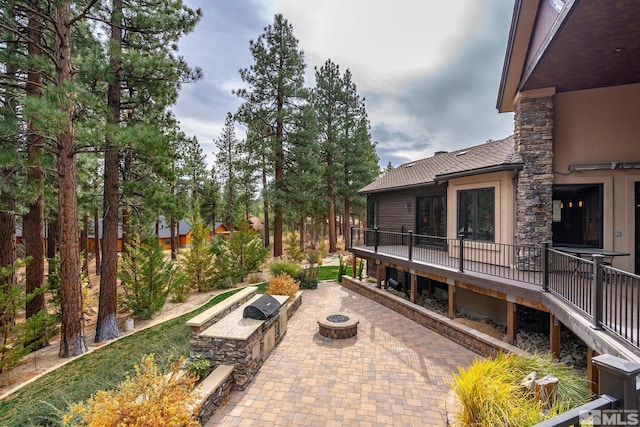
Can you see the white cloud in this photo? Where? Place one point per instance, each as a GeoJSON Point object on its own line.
{"type": "Point", "coordinates": [382, 42]}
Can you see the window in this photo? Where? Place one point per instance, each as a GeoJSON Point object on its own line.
{"type": "Point", "coordinates": [476, 214]}
{"type": "Point", "coordinates": [432, 217]}
{"type": "Point", "coordinates": [578, 215]}
{"type": "Point", "coordinates": [372, 213]}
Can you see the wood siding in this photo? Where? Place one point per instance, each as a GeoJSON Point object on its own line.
{"type": "Point", "coordinates": [397, 209]}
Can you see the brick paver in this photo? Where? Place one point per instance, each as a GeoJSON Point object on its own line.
{"type": "Point", "coordinates": [394, 372]}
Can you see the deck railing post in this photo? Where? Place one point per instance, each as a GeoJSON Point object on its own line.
{"type": "Point", "coordinates": [351, 239]}
{"type": "Point", "coordinates": [545, 267]}
{"type": "Point", "coordinates": [376, 239]}
{"type": "Point", "coordinates": [597, 301]}
{"type": "Point", "coordinates": [410, 245]}
{"type": "Point", "coordinates": [461, 252]}
{"type": "Point", "coordinates": [617, 378]}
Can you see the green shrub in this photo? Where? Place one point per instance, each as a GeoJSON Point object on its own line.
{"type": "Point", "coordinates": [242, 254]}
{"type": "Point", "coordinates": [491, 392]}
{"type": "Point", "coordinates": [18, 339]}
{"type": "Point", "coordinates": [291, 269]}
{"type": "Point", "coordinates": [308, 278]}
{"type": "Point", "coordinates": [146, 277]}
{"type": "Point", "coordinates": [293, 250]}
{"type": "Point", "coordinates": [197, 365]}
{"type": "Point", "coordinates": [196, 262]}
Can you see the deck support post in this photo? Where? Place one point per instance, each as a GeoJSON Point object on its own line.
{"type": "Point", "coordinates": [353, 266]}
{"type": "Point", "coordinates": [452, 301]}
{"type": "Point", "coordinates": [512, 322]}
{"type": "Point", "coordinates": [413, 296]}
{"type": "Point", "coordinates": [381, 275]}
{"type": "Point", "coordinates": [554, 336]}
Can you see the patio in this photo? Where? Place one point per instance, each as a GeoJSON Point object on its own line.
{"type": "Point", "coordinates": [394, 372]}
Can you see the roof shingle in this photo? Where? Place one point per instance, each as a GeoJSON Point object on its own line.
{"type": "Point", "coordinates": [482, 158]}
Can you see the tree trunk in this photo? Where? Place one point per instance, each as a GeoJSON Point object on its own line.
{"type": "Point", "coordinates": [84, 244]}
{"type": "Point", "coordinates": [267, 240]}
{"type": "Point", "coordinates": [302, 231]}
{"type": "Point", "coordinates": [126, 214]}
{"type": "Point", "coordinates": [346, 226]}
{"type": "Point", "coordinates": [279, 176]}
{"type": "Point", "coordinates": [33, 220]}
{"type": "Point", "coordinates": [106, 324]}
{"type": "Point", "coordinates": [332, 222]}
{"type": "Point", "coordinates": [53, 238]}
{"type": "Point", "coordinates": [174, 246]}
{"type": "Point", "coordinates": [7, 239]}
{"type": "Point", "coordinates": [72, 342]}
{"type": "Point", "coordinates": [96, 239]}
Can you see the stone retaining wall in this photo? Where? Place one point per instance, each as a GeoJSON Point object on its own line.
{"type": "Point", "coordinates": [470, 338]}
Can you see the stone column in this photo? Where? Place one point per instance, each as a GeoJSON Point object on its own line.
{"type": "Point", "coordinates": [534, 142]}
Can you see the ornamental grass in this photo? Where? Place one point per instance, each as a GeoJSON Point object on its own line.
{"type": "Point", "coordinates": [491, 393]}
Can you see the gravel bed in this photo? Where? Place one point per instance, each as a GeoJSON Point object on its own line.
{"type": "Point", "coordinates": [533, 330]}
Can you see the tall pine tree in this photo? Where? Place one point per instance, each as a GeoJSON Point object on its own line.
{"type": "Point", "coordinates": [275, 93]}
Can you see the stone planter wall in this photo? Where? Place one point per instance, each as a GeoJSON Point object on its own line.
{"type": "Point", "coordinates": [470, 338]}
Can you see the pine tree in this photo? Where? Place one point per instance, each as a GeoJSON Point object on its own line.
{"type": "Point", "coordinates": [226, 160]}
{"type": "Point", "coordinates": [144, 77]}
{"type": "Point", "coordinates": [274, 94]}
{"type": "Point", "coordinates": [328, 101]}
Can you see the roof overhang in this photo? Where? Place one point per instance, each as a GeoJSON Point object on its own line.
{"type": "Point", "coordinates": [482, 171]}
{"type": "Point", "coordinates": [522, 23]}
{"type": "Point", "coordinates": [364, 192]}
{"type": "Point", "coordinates": [585, 45]}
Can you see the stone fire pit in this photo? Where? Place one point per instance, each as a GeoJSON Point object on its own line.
{"type": "Point", "coordinates": [338, 326]}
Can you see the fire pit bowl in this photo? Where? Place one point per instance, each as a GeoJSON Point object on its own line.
{"type": "Point", "coordinates": [338, 326]}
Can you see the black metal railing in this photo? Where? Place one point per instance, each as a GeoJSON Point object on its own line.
{"type": "Point", "coordinates": [607, 296]}
{"type": "Point", "coordinates": [517, 262]}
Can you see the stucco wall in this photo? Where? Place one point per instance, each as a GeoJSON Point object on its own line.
{"type": "Point", "coordinates": [601, 126]}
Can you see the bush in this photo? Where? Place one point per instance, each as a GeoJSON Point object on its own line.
{"type": "Point", "coordinates": [277, 268]}
{"type": "Point", "coordinates": [196, 262]}
{"type": "Point", "coordinates": [308, 278]}
{"type": "Point", "coordinates": [283, 285]}
{"type": "Point", "coordinates": [18, 339]}
{"type": "Point", "coordinates": [146, 277]}
{"type": "Point", "coordinates": [197, 365]}
{"type": "Point", "coordinates": [149, 398]}
{"type": "Point", "coordinates": [293, 250]}
{"type": "Point", "coordinates": [491, 391]}
{"type": "Point", "coordinates": [236, 258]}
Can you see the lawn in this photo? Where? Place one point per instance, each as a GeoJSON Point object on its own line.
{"type": "Point", "coordinates": [41, 402]}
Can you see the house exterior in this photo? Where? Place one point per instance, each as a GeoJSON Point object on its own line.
{"type": "Point", "coordinates": [163, 231]}
{"type": "Point", "coordinates": [569, 176]}
{"type": "Point", "coordinates": [183, 233]}
{"type": "Point", "coordinates": [572, 77]}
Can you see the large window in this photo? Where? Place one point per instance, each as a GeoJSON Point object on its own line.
{"type": "Point", "coordinates": [372, 212]}
{"type": "Point", "coordinates": [476, 214]}
{"type": "Point", "coordinates": [432, 216]}
{"type": "Point", "coordinates": [577, 215]}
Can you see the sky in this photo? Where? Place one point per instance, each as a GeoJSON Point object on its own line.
{"type": "Point", "coordinates": [429, 70]}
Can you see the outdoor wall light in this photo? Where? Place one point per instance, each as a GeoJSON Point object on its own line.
{"type": "Point", "coordinates": [408, 205]}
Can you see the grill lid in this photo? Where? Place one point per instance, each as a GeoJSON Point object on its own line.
{"type": "Point", "coordinates": [263, 308]}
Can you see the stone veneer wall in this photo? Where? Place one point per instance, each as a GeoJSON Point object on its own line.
{"type": "Point", "coordinates": [534, 143]}
{"type": "Point", "coordinates": [247, 356]}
